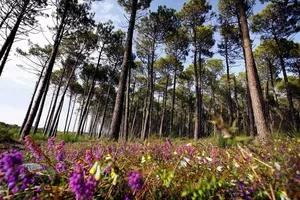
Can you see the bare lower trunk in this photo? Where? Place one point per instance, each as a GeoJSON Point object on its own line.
{"type": "Point", "coordinates": [117, 113]}
{"type": "Point", "coordinates": [287, 86]}
{"type": "Point", "coordinates": [127, 103]}
{"type": "Point", "coordinates": [68, 113]}
{"type": "Point", "coordinates": [48, 73]}
{"type": "Point", "coordinates": [164, 108]}
{"type": "Point", "coordinates": [31, 101]}
{"type": "Point", "coordinates": [173, 100]}
{"type": "Point", "coordinates": [257, 103]}
{"type": "Point", "coordinates": [229, 100]}
{"type": "Point", "coordinates": [71, 116]}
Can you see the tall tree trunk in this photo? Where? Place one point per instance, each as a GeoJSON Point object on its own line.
{"type": "Point", "coordinates": [71, 116]}
{"type": "Point", "coordinates": [75, 121]}
{"type": "Point", "coordinates": [236, 103]}
{"type": "Point", "coordinates": [163, 108]}
{"type": "Point", "coordinates": [50, 106]}
{"type": "Point", "coordinates": [201, 110]}
{"type": "Point", "coordinates": [41, 108]}
{"type": "Point", "coordinates": [51, 121]}
{"type": "Point", "coordinates": [31, 101]}
{"type": "Point", "coordinates": [127, 103]}
{"type": "Point", "coordinates": [57, 114]}
{"type": "Point", "coordinates": [272, 81]}
{"type": "Point", "coordinates": [287, 85]}
{"type": "Point", "coordinates": [173, 99]}
{"type": "Point", "coordinates": [257, 103]}
{"type": "Point", "coordinates": [68, 113]}
{"type": "Point", "coordinates": [117, 113]}
{"type": "Point", "coordinates": [134, 120]}
{"type": "Point", "coordinates": [11, 37]}
{"type": "Point", "coordinates": [229, 100]}
{"type": "Point", "coordinates": [197, 102]}
{"type": "Point", "coordinates": [48, 73]}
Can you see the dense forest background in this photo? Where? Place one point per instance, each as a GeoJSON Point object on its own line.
{"type": "Point", "coordinates": [159, 76]}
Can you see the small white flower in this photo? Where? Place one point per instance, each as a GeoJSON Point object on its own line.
{"type": "Point", "coordinates": [220, 168]}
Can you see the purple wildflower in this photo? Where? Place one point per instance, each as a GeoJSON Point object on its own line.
{"type": "Point", "coordinates": [135, 180]}
{"type": "Point", "coordinates": [51, 144]}
{"type": "Point", "coordinates": [59, 152]}
{"type": "Point", "coordinates": [11, 166]}
{"type": "Point", "coordinates": [33, 148]}
{"type": "Point", "coordinates": [61, 167]}
{"type": "Point", "coordinates": [83, 189]}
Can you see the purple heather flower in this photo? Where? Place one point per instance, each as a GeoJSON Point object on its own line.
{"type": "Point", "coordinates": [11, 166]}
{"type": "Point", "coordinates": [135, 180]}
{"type": "Point", "coordinates": [51, 144]}
{"type": "Point", "coordinates": [83, 189]}
{"type": "Point", "coordinates": [33, 148]}
{"type": "Point", "coordinates": [59, 152]}
{"type": "Point", "coordinates": [61, 167]}
{"type": "Point", "coordinates": [89, 157]}
{"type": "Point", "coordinates": [168, 142]}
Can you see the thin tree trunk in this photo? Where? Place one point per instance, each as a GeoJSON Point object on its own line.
{"type": "Point", "coordinates": [118, 108]}
{"type": "Point", "coordinates": [11, 37]}
{"type": "Point", "coordinates": [257, 103]}
{"type": "Point", "coordinates": [75, 121]}
{"type": "Point", "coordinates": [272, 81]}
{"type": "Point", "coordinates": [68, 112]}
{"type": "Point", "coordinates": [173, 100]}
{"type": "Point", "coordinates": [31, 101]}
{"type": "Point", "coordinates": [127, 103]}
{"type": "Point", "coordinates": [287, 86]}
{"type": "Point", "coordinates": [236, 103]}
{"type": "Point", "coordinates": [48, 114]}
{"type": "Point", "coordinates": [163, 108]}
{"type": "Point", "coordinates": [49, 68]}
{"type": "Point", "coordinates": [229, 100]}
{"type": "Point", "coordinates": [197, 102]}
{"type": "Point", "coordinates": [51, 121]}
{"type": "Point", "coordinates": [85, 108]}
{"type": "Point", "coordinates": [41, 108]}
{"type": "Point", "coordinates": [71, 116]}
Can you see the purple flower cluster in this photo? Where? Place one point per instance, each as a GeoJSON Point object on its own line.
{"type": "Point", "coordinates": [51, 144]}
{"type": "Point", "coordinates": [135, 180]}
{"type": "Point", "coordinates": [11, 166]}
{"type": "Point", "coordinates": [83, 189]}
{"type": "Point", "coordinates": [61, 167]}
{"type": "Point", "coordinates": [33, 148]}
{"type": "Point", "coordinates": [59, 152]}
{"type": "Point", "coordinates": [89, 157]}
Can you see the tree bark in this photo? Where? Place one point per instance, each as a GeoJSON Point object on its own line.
{"type": "Point", "coordinates": [11, 37]}
{"type": "Point", "coordinates": [68, 113]}
{"type": "Point", "coordinates": [51, 121]}
{"type": "Point", "coordinates": [164, 108]}
{"type": "Point", "coordinates": [229, 100]}
{"type": "Point", "coordinates": [31, 101]}
{"type": "Point", "coordinates": [49, 68]}
{"type": "Point", "coordinates": [173, 99]}
{"type": "Point", "coordinates": [287, 85]}
{"type": "Point", "coordinates": [197, 102]}
{"type": "Point", "coordinates": [117, 113]}
{"type": "Point", "coordinates": [257, 103]}
{"type": "Point", "coordinates": [71, 116]}
{"type": "Point", "coordinates": [127, 103]}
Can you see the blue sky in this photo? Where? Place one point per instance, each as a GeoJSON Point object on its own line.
{"type": "Point", "coordinates": [16, 85]}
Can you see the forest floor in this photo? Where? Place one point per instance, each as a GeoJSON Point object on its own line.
{"type": "Point", "coordinates": [153, 169]}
